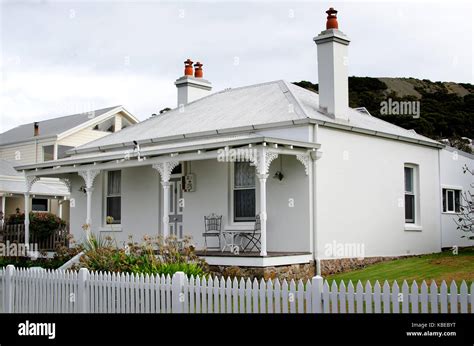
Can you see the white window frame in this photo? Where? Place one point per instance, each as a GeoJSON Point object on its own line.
{"type": "Point", "coordinates": [231, 221]}
{"type": "Point", "coordinates": [416, 224]}
{"type": "Point", "coordinates": [444, 191]}
{"type": "Point", "coordinates": [114, 226]}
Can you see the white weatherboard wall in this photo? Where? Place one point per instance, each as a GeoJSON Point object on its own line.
{"type": "Point", "coordinates": [452, 176]}
{"type": "Point", "coordinates": [360, 184]}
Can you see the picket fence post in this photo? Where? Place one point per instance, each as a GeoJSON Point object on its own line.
{"type": "Point", "coordinates": [9, 287]}
{"type": "Point", "coordinates": [317, 293]}
{"type": "Point", "coordinates": [177, 295]}
{"type": "Point", "coordinates": [81, 299]}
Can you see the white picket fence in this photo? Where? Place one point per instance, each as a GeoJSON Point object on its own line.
{"type": "Point", "coordinates": [36, 290]}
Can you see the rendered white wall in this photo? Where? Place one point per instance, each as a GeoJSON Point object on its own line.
{"type": "Point", "coordinates": [288, 227]}
{"type": "Point", "coordinates": [452, 176]}
{"type": "Point", "coordinates": [360, 184]}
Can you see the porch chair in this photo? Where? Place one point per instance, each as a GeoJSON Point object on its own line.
{"type": "Point", "coordinates": [253, 238]}
{"type": "Point", "coordinates": [212, 228]}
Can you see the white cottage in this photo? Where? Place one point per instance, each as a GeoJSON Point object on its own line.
{"type": "Point", "coordinates": [48, 140]}
{"type": "Point", "coordinates": [326, 181]}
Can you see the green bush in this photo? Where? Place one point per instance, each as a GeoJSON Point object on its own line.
{"type": "Point", "coordinates": [154, 256]}
{"type": "Point", "coordinates": [42, 225]}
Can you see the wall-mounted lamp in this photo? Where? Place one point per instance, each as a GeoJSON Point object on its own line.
{"type": "Point", "coordinates": [278, 174]}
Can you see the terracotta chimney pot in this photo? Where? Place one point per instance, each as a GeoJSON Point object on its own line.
{"type": "Point", "coordinates": [332, 19]}
{"type": "Point", "coordinates": [188, 68]}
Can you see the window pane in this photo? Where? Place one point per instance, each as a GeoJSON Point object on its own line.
{"type": "Point", "coordinates": [450, 199]}
{"type": "Point", "coordinates": [244, 175]}
{"type": "Point", "coordinates": [244, 205]}
{"type": "Point", "coordinates": [39, 204]}
{"type": "Point", "coordinates": [457, 200]}
{"type": "Point", "coordinates": [113, 208]}
{"type": "Point", "coordinates": [48, 153]}
{"type": "Point", "coordinates": [113, 183]}
{"type": "Point", "coordinates": [408, 179]}
{"type": "Point", "coordinates": [409, 208]}
{"type": "Point", "coordinates": [444, 200]}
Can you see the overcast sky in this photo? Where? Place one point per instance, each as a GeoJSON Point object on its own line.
{"type": "Point", "coordinates": [66, 57]}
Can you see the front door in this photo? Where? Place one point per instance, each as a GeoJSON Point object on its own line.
{"type": "Point", "coordinates": [176, 208]}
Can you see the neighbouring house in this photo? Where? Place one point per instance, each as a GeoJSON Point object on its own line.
{"type": "Point", "coordinates": [455, 183]}
{"type": "Point", "coordinates": [46, 141]}
{"type": "Point", "coordinates": [327, 185]}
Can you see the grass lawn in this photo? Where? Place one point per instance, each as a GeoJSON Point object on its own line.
{"type": "Point", "coordinates": [438, 267]}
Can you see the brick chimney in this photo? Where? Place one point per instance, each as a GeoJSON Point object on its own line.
{"type": "Point", "coordinates": [36, 129]}
{"type": "Point", "coordinates": [192, 86]}
{"type": "Point", "coordinates": [333, 69]}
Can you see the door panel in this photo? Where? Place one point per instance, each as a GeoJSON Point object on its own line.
{"type": "Point", "coordinates": [176, 208]}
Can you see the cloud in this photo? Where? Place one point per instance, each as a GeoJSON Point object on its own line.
{"type": "Point", "coordinates": [73, 54]}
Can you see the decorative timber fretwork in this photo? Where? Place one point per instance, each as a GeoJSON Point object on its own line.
{"type": "Point", "coordinates": [165, 169]}
{"type": "Point", "coordinates": [89, 176]}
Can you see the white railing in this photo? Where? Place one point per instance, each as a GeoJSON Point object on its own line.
{"type": "Point", "coordinates": [39, 290]}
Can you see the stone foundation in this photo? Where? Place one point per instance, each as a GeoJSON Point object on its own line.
{"type": "Point", "coordinates": [334, 266]}
{"type": "Point", "coordinates": [302, 271]}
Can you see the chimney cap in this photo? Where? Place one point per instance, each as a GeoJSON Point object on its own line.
{"type": "Point", "coordinates": [188, 67]}
{"type": "Point", "coordinates": [198, 70]}
{"type": "Point", "coordinates": [332, 19]}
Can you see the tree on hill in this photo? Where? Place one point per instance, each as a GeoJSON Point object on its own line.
{"type": "Point", "coordinates": [443, 114]}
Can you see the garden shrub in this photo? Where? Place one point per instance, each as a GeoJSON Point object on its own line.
{"type": "Point", "coordinates": [154, 256]}
{"type": "Point", "coordinates": [42, 225]}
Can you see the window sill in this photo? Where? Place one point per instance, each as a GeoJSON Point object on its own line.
{"type": "Point", "coordinates": [449, 212]}
{"type": "Point", "coordinates": [413, 228]}
{"type": "Point", "coordinates": [111, 228]}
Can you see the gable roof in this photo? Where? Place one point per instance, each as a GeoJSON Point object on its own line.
{"type": "Point", "coordinates": [51, 127]}
{"type": "Point", "coordinates": [243, 108]}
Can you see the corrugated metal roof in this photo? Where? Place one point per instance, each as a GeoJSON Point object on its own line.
{"type": "Point", "coordinates": [6, 168]}
{"type": "Point", "coordinates": [50, 127]}
{"type": "Point", "coordinates": [12, 181]}
{"type": "Point", "coordinates": [259, 104]}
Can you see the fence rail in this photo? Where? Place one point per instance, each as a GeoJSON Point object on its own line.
{"type": "Point", "coordinates": [15, 233]}
{"type": "Point", "coordinates": [39, 290]}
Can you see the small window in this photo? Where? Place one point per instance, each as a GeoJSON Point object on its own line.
{"type": "Point", "coordinates": [409, 194]}
{"type": "Point", "coordinates": [113, 198]}
{"type": "Point", "coordinates": [39, 204]}
{"type": "Point", "coordinates": [451, 201]}
{"type": "Point", "coordinates": [244, 192]}
{"type": "Point", "coordinates": [48, 153]}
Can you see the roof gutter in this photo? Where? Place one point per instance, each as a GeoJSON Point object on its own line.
{"type": "Point", "coordinates": [195, 135]}
{"type": "Point", "coordinates": [249, 128]}
{"type": "Point", "coordinates": [167, 151]}
{"type": "Point", "coordinates": [376, 133]}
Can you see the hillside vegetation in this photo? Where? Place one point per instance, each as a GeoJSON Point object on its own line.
{"type": "Point", "coordinates": [446, 108]}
